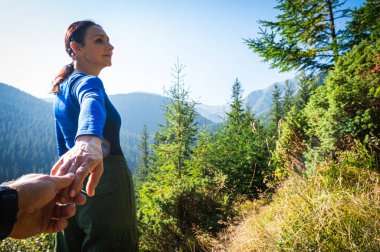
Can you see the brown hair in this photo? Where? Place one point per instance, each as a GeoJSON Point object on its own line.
{"type": "Point", "coordinates": [76, 32]}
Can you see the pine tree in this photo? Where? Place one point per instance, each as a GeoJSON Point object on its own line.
{"type": "Point", "coordinates": [235, 116]}
{"type": "Point", "coordinates": [143, 170]}
{"type": "Point", "coordinates": [276, 111]}
{"type": "Point", "coordinates": [306, 84]}
{"type": "Point", "coordinates": [164, 197]}
{"type": "Point", "coordinates": [239, 148]}
{"type": "Point", "coordinates": [144, 148]}
{"type": "Point", "coordinates": [364, 24]}
{"type": "Point", "coordinates": [303, 37]}
{"type": "Point", "coordinates": [288, 99]}
{"type": "Point", "coordinates": [179, 132]}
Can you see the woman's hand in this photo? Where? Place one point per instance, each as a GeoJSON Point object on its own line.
{"type": "Point", "coordinates": [85, 158]}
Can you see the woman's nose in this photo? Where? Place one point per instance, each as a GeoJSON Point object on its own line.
{"type": "Point", "coordinates": [110, 46]}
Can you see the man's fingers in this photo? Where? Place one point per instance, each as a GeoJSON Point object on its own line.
{"type": "Point", "coordinates": [94, 179]}
{"type": "Point", "coordinates": [63, 196]}
{"type": "Point", "coordinates": [61, 182]}
{"type": "Point", "coordinates": [56, 225]}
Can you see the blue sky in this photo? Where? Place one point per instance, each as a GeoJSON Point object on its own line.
{"type": "Point", "coordinates": [206, 36]}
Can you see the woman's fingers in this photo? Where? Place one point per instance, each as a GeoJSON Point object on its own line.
{"type": "Point", "coordinates": [66, 165]}
{"type": "Point", "coordinates": [64, 211]}
{"type": "Point", "coordinates": [80, 199]}
{"type": "Point", "coordinates": [94, 179]}
{"type": "Point", "coordinates": [84, 159]}
{"type": "Point", "coordinates": [56, 166]}
{"type": "Point", "coordinates": [81, 175]}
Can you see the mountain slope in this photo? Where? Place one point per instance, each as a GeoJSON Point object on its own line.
{"type": "Point", "coordinates": [137, 109]}
{"type": "Point", "coordinates": [27, 140]}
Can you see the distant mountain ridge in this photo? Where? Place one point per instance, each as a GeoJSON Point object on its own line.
{"type": "Point", "coordinates": [260, 101]}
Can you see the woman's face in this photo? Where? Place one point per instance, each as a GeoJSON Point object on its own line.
{"type": "Point", "coordinates": [97, 50]}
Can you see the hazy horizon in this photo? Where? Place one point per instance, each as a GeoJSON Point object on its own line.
{"type": "Point", "coordinates": [148, 36]}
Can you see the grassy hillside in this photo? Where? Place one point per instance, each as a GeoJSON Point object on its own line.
{"type": "Point", "coordinates": [336, 208]}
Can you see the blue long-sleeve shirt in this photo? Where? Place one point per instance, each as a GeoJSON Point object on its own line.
{"type": "Point", "coordinates": [82, 107]}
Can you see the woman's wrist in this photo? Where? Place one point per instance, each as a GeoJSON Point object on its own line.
{"type": "Point", "coordinates": [89, 139]}
{"type": "Point", "coordinates": [85, 141]}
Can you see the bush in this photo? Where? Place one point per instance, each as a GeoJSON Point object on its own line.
{"type": "Point", "coordinates": [38, 243]}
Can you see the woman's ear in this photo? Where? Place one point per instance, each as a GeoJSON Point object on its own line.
{"type": "Point", "coordinates": [75, 47]}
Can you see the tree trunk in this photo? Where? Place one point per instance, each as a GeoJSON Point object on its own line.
{"type": "Point", "coordinates": [332, 30]}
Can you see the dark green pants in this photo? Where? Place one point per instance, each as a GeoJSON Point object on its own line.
{"type": "Point", "coordinates": [107, 222]}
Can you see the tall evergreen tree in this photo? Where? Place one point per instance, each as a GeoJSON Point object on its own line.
{"type": "Point", "coordinates": [239, 148]}
{"type": "Point", "coordinates": [288, 99]}
{"type": "Point", "coordinates": [364, 24]}
{"type": "Point", "coordinates": [236, 115]}
{"type": "Point", "coordinates": [303, 37]}
{"type": "Point", "coordinates": [143, 169]}
{"type": "Point", "coordinates": [179, 132]}
{"type": "Point", "coordinates": [163, 198]}
{"type": "Point", "coordinates": [306, 84]}
{"type": "Point", "coordinates": [276, 111]}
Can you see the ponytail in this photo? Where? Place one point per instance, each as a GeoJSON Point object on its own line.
{"type": "Point", "coordinates": [61, 76]}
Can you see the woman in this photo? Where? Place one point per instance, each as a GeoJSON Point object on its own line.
{"type": "Point", "coordinates": [87, 130]}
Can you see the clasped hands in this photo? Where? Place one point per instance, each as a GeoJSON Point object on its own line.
{"type": "Point", "coordinates": [84, 159]}
{"type": "Point", "coordinates": [46, 202]}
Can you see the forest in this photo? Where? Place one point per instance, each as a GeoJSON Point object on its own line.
{"type": "Point", "coordinates": [304, 177]}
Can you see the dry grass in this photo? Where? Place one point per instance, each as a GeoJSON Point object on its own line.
{"type": "Point", "coordinates": [335, 209]}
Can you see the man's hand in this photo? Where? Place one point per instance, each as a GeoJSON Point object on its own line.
{"type": "Point", "coordinates": [85, 158]}
{"type": "Point", "coordinates": [39, 211]}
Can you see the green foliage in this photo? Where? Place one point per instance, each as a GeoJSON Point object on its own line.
{"type": "Point", "coordinates": [276, 113]}
{"type": "Point", "coordinates": [348, 106]}
{"type": "Point", "coordinates": [365, 23]}
{"type": "Point", "coordinates": [38, 243]}
{"type": "Point", "coordinates": [288, 101]}
{"type": "Point", "coordinates": [27, 140]}
{"type": "Point", "coordinates": [288, 156]}
{"type": "Point", "coordinates": [333, 130]}
{"type": "Point", "coordinates": [303, 37]}
{"type": "Point", "coordinates": [181, 193]}
{"type": "Point", "coordinates": [194, 178]}
{"type": "Point", "coordinates": [239, 149]}
{"type": "Point", "coordinates": [143, 170]}
{"type": "Point", "coordinates": [306, 85]}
